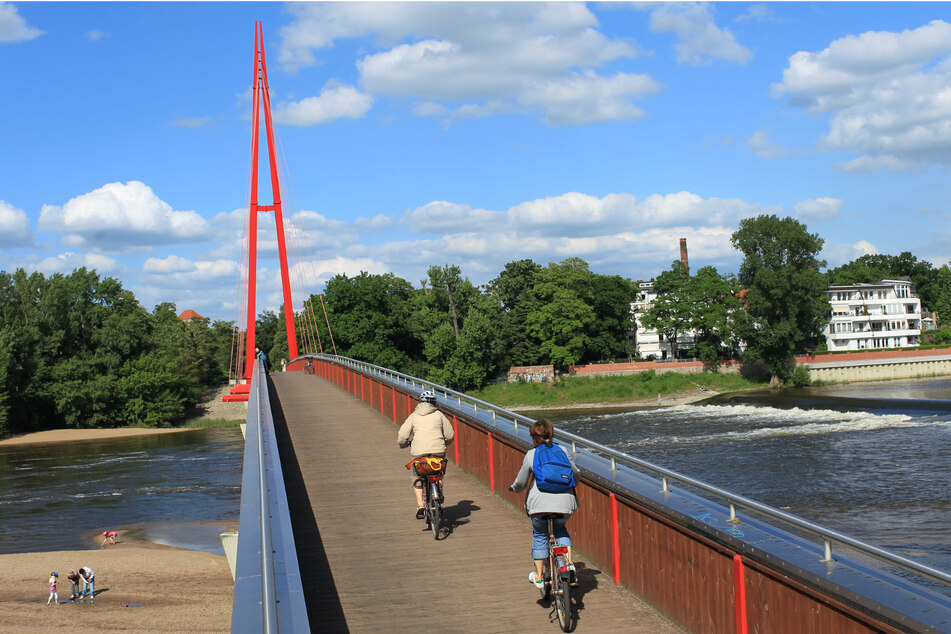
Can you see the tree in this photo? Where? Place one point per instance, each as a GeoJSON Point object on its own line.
{"type": "Point", "coordinates": [511, 291]}
{"type": "Point", "coordinates": [941, 303]}
{"type": "Point", "coordinates": [560, 311]}
{"type": "Point", "coordinates": [673, 309]}
{"type": "Point", "coordinates": [371, 320]}
{"type": "Point", "coordinates": [610, 333]}
{"type": "Point", "coordinates": [785, 301]}
{"type": "Point", "coordinates": [447, 277]}
{"type": "Point", "coordinates": [715, 302]}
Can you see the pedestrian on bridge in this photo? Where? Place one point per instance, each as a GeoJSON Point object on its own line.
{"type": "Point", "coordinates": [426, 432]}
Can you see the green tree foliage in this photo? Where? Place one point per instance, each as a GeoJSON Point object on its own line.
{"type": "Point", "coordinates": [560, 312]}
{"type": "Point", "coordinates": [674, 306]}
{"type": "Point", "coordinates": [511, 291]}
{"type": "Point", "coordinates": [941, 303]}
{"type": "Point", "coordinates": [78, 350]}
{"type": "Point", "coordinates": [371, 319]}
{"type": "Point", "coordinates": [611, 334]}
{"type": "Point", "coordinates": [785, 302]}
{"type": "Point", "coordinates": [714, 309]}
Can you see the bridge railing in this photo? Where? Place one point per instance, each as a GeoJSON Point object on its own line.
{"type": "Point", "coordinates": [650, 510]}
{"type": "Point", "coordinates": [499, 415]}
{"type": "Point", "coordinates": [268, 596]}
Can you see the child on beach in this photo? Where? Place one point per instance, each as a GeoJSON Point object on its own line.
{"type": "Point", "coordinates": [53, 593]}
{"type": "Point", "coordinates": [108, 536]}
{"type": "Point", "coordinates": [73, 577]}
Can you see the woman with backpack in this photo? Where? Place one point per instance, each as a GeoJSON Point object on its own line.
{"type": "Point", "coordinates": [553, 491]}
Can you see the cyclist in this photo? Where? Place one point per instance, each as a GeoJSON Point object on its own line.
{"type": "Point", "coordinates": [539, 503]}
{"type": "Point", "coordinates": [426, 432]}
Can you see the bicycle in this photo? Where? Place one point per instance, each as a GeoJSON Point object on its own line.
{"type": "Point", "coordinates": [557, 576]}
{"type": "Point", "coordinates": [432, 500]}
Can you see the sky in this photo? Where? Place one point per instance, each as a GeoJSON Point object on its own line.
{"type": "Point", "coordinates": [474, 134]}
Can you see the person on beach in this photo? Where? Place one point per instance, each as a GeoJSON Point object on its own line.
{"type": "Point", "coordinates": [426, 432]}
{"type": "Point", "coordinates": [53, 593]}
{"type": "Point", "coordinates": [73, 577]}
{"type": "Point", "coordinates": [108, 536]}
{"type": "Point", "coordinates": [89, 582]}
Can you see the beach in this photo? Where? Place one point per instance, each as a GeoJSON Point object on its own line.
{"type": "Point", "coordinates": [677, 398]}
{"type": "Point", "coordinates": [140, 587]}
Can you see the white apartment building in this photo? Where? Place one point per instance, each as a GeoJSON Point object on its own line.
{"type": "Point", "coordinates": [865, 316]}
{"type": "Point", "coordinates": [650, 343]}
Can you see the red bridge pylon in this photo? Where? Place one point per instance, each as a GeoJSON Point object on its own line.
{"type": "Point", "coordinates": [261, 94]}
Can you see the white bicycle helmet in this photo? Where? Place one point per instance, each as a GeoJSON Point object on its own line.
{"type": "Point", "coordinates": [428, 396]}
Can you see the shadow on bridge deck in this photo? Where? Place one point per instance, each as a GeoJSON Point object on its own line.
{"type": "Point", "coordinates": [367, 565]}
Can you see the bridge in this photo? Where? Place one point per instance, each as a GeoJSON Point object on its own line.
{"type": "Point", "coordinates": [328, 539]}
{"type": "Point", "coordinates": [655, 553]}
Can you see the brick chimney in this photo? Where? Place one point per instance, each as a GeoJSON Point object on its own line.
{"type": "Point", "coordinates": [683, 253]}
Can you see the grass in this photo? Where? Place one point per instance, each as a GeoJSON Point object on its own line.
{"type": "Point", "coordinates": [609, 389]}
{"type": "Point", "coordinates": [211, 423]}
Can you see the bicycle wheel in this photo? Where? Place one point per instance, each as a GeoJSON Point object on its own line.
{"type": "Point", "coordinates": [561, 594]}
{"type": "Point", "coordinates": [435, 508]}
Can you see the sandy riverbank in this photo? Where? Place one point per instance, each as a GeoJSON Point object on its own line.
{"type": "Point", "coordinates": [140, 587]}
{"type": "Point", "coordinates": [62, 435]}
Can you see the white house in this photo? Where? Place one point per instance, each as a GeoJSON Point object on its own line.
{"type": "Point", "coordinates": [865, 316]}
{"type": "Point", "coordinates": [651, 343]}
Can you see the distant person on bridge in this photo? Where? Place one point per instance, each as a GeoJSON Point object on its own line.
{"type": "Point", "coordinates": [539, 503]}
{"type": "Point", "coordinates": [426, 432]}
{"type": "Point", "coordinates": [267, 364]}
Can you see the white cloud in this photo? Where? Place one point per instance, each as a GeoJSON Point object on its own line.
{"type": "Point", "coordinates": [762, 146]}
{"type": "Point", "coordinates": [335, 102]}
{"type": "Point", "coordinates": [700, 39]}
{"type": "Point", "coordinates": [14, 227]}
{"type": "Point", "coordinates": [67, 262]}
{"type": "Point", "coordinates": [441, 216]}
{"type": "Point", "coordinates": [836, 254]}
{"type": "Point", "coordinates": [889, 94]}
{"type": "Point", "coordinates": [13, 27]}
{"type": "Point", "coordinates": [865, 164]}
{"type": "Point", "coordinates": [819, 209]}
{"type": "Point", "coordinates": [468, 60]}
{"type": "Point", "coordinates": [120, 216]}
{"type": "Point", "coordinates": [95, 35]}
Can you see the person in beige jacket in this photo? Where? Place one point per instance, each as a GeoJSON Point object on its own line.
{"type": "Point", "coordinates": [426, 432]}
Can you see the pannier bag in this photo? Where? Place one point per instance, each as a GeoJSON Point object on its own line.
{"type": "Point", "coordinates": [552, 469]}
{"type": "Point", "coordinates": [427, 465]}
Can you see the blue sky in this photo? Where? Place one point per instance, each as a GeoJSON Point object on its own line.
{"type": "Point", "coordinates": [475, 134]}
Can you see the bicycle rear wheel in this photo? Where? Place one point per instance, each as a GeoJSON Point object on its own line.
{"type": "Point", "coordinates": [435, 508]}
{"type": "Point", "coordinates": [561, 595]}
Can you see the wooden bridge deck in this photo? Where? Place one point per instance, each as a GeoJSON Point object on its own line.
{"type": "Point", "coordinates": [368, 565]}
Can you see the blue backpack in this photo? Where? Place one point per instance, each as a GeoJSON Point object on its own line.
{"type": "Point", "coordinates": [552, 469]}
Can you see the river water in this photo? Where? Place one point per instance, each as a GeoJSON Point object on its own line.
{"type": "Point", "coordinates": [174, 489]}
{"type": "Point", "coordinates": [871, 461]}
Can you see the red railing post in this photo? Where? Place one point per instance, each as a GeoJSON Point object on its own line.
{"type": "Point", "coordinates": [363, 395]}
{"type": "Point", "coordinates": [491, 467]}
{"type": "Point", "coordinates": [381, 398]}
{"type": "Point", "coordinates": [455, 437]}
{"type": "Point", "coordinates": [739, 594]}
{"type": "Point", "coordinates": [615, 541]}
{"type": "Point", "coordinates": [394, 403]}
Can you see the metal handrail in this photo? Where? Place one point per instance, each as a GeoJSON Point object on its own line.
{"type": "Point", "coordinates": [827, 535]}
{"type": "Point", "coordinates": [266, 547]}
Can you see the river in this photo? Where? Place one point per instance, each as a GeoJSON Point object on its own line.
{"type": "Point", "coordinates": [869, 460]}
{"type": "Point", "coordinates": [175, 489]}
